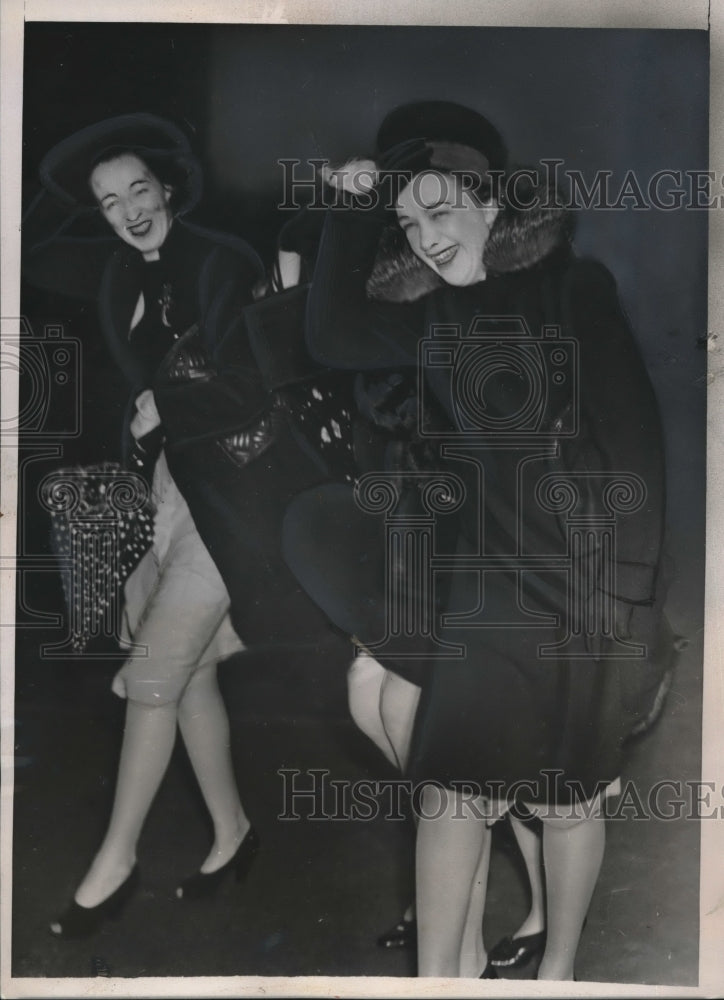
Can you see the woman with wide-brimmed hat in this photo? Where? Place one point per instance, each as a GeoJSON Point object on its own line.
{"type": "Point", "coordinates": [166, 291]}
{"type": "Point", "coordinates": [435, 251]}
{"type": "Point", "coordinates": [247, 421]}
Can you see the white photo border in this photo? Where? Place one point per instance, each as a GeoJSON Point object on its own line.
{"type": "Point", "coordinates": [675, 14]}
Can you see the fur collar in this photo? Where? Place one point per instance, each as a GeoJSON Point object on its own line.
{"type": "Point", "coordinates": [519, 239]}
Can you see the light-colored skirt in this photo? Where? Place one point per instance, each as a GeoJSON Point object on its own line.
{"type": "Point", "coordinates": [176, 615]}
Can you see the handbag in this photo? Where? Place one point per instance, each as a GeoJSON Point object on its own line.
{"type": "Point", "coordinates": [188, 361]}
{"type": "Point", "coordinates": [101, 526]}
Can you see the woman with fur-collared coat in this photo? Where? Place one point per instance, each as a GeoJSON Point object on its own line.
{"type": "Point", "coordinates": [515, 723]}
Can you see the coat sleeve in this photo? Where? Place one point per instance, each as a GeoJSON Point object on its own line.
{"type": "Point", "coordinates": [620, 411]}
{"type": "Point", "coordinates": [226, 284]}
{"type": "Point", "coordinates": [226, 392]}
{"type": "Point", "coordinates": [56, 256]}
{"type": "Point", "coordinates": [344, 328]}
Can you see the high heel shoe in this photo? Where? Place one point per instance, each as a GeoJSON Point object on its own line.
{"type": "Point", "coordinates": [81, 921]}
{"type": "Point", "coordinates": [514, 952]}
{"type": "Point", "coordinates": [203, 884]}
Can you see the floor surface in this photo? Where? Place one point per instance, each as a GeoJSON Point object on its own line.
{"type": "Point", "coordinates": [321, 890]}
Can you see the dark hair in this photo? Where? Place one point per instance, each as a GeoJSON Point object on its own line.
{"type": "Point", "coordinates": [181, 173]}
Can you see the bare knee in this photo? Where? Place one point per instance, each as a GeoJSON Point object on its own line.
{"type": "Point", "coordinates": [202, 688]}
{"type": "Point", "coordinates": [154, 694]}
{"type": "Point", "coordinates": [158, 683]}
{"type": "Point", "coordinates": [364, 683]}
{"type": "Point", "coordinates": [150, 709]}
{"type": "Point", "coordinates": [398, 706]}
{"type": "Point", "coordinates": [437, 803]}
{"type": "Point", "coordinates": [398, 703]}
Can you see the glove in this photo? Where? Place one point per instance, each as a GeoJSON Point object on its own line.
{"type": "Point", "coordinates": [357, 177]}
{"type": "Point", "coordinates": [146, 417]}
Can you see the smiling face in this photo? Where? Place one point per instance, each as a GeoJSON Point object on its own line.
{"type": "Point", "coordinates": [134, 201]}
{"type": "Point", "coordinates": [445, 226]}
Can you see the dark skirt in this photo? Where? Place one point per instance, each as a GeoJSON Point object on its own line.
{"type": "Point", "coordinates": [514, 723]}
{"type": "Point", "coordinates": [238, 511]}
{"type": "Point", "coordinates": [340, 555]}
{"type": "Point", "coordinates": [520, 726]}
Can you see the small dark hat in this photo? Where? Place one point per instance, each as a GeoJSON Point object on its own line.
{"type": "Point", "coordinates": [65, 170]}
{"type": "Point", "coordinates": [439, 122]}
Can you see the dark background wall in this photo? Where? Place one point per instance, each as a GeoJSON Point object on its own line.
{"type": "Point", "coordinates": [248, 95]}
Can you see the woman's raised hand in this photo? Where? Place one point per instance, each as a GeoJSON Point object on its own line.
{"type": "Point", "coordinates": [355, 176]}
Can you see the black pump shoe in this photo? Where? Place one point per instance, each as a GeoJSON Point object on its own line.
{"type": "Point", "coordinates": [402, 935]}
{"type": "Point", "coordinates": [489, 972]}
{"type": "Point", "coordinates": [514, 952]}
{"type": "Point", "coordinates": [82, 921]}
{"type": "Point", "coordinates": [200, 885]}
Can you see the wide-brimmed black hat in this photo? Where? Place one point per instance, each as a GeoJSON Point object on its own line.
{"type": "Point", "coordinates": [65, 170]}
{"type": "Point", "coordinates": [412, 128]}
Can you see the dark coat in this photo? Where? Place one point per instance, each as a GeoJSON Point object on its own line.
{"type": "Point", "coordinates": [543, 283]}
{"type": "Point", "coordinates": [229, 442]}
{"type": "Point", "coordinates": [238, 500]}
{"type": "Point", "coordinates": [501, 713]}
{"type": "Point", "coordinates": [209, 277]}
